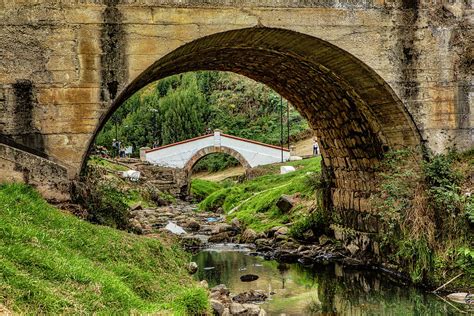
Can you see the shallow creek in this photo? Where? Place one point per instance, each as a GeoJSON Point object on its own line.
{"type": "Point", "coordinates": [317, 290]}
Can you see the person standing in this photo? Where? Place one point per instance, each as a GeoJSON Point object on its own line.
{"type": "Point", "coordinates": [315, 147]}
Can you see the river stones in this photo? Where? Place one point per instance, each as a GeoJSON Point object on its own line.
{"type": "Point", "coordinates": [250, 296]}
{"type": "Point", "coordinates": [248, 277]}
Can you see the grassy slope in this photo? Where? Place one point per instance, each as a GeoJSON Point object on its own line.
{"type": "Point", "coordinates": [51, 262]}
{"type": "Point", "coordinates": [254, 200]}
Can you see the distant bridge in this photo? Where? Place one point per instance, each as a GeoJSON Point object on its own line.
{"type": "Point", "coordinates": [185, 154]}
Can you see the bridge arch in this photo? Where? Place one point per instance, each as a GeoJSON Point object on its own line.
{"type": "Point", "coordinates": [214, 150]}
{"type": "Point", "coordinates": [354, 113]}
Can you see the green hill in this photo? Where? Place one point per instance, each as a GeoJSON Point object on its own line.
{"type": "Point", "coordinates": [52, 262]}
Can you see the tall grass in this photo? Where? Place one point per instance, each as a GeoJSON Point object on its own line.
{"type": "Point", "coordinates": [54, 263]}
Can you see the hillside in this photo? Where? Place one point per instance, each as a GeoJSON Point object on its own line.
{"type": "Point", "coordinates": [191, 104]}
{"type": "Point", "coordinates": [253, 202]}
{"type": "Point", "coordinates": [54, 263]}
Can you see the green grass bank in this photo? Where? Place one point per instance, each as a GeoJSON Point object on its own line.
{"type": "Point", "coordinates": [55, 263]}
{"type": "Point", "coordinates": [253, 202]}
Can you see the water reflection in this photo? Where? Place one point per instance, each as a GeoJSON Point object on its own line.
{"type": "Point", "coordinates": [319, 290]}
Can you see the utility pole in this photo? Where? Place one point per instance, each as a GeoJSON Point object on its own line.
{"type": "Point", "coordinates": [281, 127]}
{"type": "Point", "coordinates": [288, 122]}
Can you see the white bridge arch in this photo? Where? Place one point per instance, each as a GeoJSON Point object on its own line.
{"type": "Point", "coordinates": [185, 154]}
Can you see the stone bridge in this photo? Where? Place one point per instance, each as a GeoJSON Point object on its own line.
{"type": "Point", "coordinates": [368, 75]}
{"type": "Point", "coordinates": [185, 154]}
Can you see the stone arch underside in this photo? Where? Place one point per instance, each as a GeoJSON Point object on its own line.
{"type": "Point", "coordinates": [353, 111]}
{"type": "Point", "coordinates": [214, 150]}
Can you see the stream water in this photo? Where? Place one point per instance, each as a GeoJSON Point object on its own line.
{"type": "Point", "coordinates": [317, 290]}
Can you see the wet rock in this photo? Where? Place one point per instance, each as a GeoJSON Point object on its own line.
{"type": "Point", "coordinates": [250, 296]}
{"type": "Point", "coordinates": [248, 277]}
{"type": "Point", "coordinates": [248, 236]}
{"type": "Point", "coordinates": [219, 238]}
{"type": "Point", "coordinates": [285, 203]}
{"type": "Point", "coordinates": [217, 306]}
{"type": "Point", "coordinates": [286, 256]}
{"type": "Point", "coordinates": [192, 267]}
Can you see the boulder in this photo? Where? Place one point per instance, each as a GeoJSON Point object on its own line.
{"type": "Point", "coordinates": [237, 308]}
{"type": "Point", "coordinates": [248, 236]}
{"type": "Point", "coordinates": [248, 277]}
{"type": "Point", "coordinates": [204, 284]}
{"type": "Point", "coordinates": [192, 267]}
{"type": "Point", "coordinates": [250, 296]}
{"type": "Point", "coordinates": [217, 306]}
{"type": "Point", "coordinates": [219, 238]}
{"type": "Point", "coordinates": [192, 225]}
{"type": "Point", "coordinates": [221, 289]}
{"type": "Point", "coordinates": [285, 203]}
{"type": "Point", "coordinates": [251, 309]}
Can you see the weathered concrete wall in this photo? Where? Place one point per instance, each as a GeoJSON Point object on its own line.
{"type": "Point", "coordinates": [49, 178]}
{"type": "Point", "coordinates": [397, 70]}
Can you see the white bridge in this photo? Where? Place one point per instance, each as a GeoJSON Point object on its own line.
{"type": "Point", "coordinates": [185, 154]}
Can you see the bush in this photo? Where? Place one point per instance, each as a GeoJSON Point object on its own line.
{"type": "Point", "coordinates": [417, 257]}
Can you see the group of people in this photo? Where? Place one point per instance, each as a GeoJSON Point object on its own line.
{"type": "Point", "coordinates": [120, 150]}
